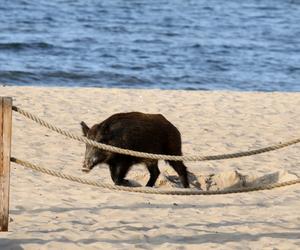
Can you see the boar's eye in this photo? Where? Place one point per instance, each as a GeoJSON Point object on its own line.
{"type": "Point", "coordinates": [85, 128]}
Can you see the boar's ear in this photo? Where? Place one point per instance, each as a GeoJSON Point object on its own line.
{"type": "Point", "coordinates": [85, 128]}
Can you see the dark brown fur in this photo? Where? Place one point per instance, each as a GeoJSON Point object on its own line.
{"type": "Point", "coordinates": [151, 133]}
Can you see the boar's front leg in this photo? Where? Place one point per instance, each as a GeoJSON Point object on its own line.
{"type": "Point", "coordinates": [118, 172]}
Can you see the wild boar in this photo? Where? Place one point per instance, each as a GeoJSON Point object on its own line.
{"type": "Point", "coordinates": [151, 133]}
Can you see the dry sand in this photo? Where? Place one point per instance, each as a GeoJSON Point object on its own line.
{"type": "Point", "coordinates": [50, 213]}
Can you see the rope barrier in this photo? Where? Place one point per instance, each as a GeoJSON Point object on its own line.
{"type": "Point", "coordinates": [150, 190]}
{"type": "Point", "coordinates": [148, 155]}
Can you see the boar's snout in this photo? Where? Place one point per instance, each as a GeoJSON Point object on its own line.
{"type": "Point", "coordinates": [90, 163]}
{"type": "Point", "coordinates": [85, 170]}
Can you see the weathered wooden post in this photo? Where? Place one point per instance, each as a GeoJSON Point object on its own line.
{"type": "Point", "coordinates": [5, 144]}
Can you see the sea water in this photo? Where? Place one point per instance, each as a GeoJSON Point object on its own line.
{"type": "Point", "coordinates": [167, 44]}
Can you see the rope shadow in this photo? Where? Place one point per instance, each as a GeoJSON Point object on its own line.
{"type": "Point", "coordinates": [208, 237]}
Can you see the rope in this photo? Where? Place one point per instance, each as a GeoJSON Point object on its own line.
{"type": "Point", "coordinates": [149, 190]}
{"type": "Point", "coordinates": [148, 155]}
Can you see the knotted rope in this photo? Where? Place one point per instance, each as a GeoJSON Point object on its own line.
{"type": "Point", "coordinates": [148, 155]}
{"type": "Point", "coordinates": [150, 190]}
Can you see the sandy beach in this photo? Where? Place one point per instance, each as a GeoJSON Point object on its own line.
{"type": "Point", "coordinates": [51, 213]}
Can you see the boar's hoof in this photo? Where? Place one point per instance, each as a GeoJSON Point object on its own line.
{"type": "Point", "coordinates": [123, 182]}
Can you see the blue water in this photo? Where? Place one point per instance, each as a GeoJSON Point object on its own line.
{"type": "Point", "coordinates": [166, 44]}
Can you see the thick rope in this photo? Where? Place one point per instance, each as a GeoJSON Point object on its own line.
{"type": "Point", "coordinates": [148, 155]}
{"type": "Point", "coordinates": [150, 190]}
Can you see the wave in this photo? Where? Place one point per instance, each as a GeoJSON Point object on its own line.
{"type": "Point", "coordinates": [60, 78]}
{"type": "Point", "coordinates": [25, 46]}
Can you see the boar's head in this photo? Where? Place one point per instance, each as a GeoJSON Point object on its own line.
{"type": "Point", "coordinates": [93, 155]}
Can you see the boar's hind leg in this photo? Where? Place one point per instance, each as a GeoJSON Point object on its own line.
{"type": "Point", "coordinates": [118, 172]}
{"type": "Point", "coordinates": [154, 173]}
{"type": "Point", "coordinates": [180, 169]}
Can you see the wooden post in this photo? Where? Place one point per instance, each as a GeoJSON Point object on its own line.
{"type": "Point", "coordinates": [5, 144]}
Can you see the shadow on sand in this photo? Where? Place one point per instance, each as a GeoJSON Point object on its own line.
{"type": "Point", "coordinates": [199, 238]}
